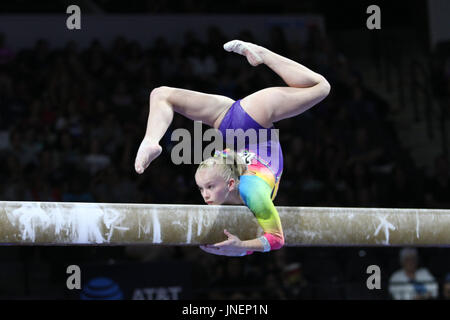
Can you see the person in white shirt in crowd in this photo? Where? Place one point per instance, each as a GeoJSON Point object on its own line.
{"type": "Point", "coordinates": [411, 282]}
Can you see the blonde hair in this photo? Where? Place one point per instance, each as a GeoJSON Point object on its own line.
{"type": "Point", "coordinates": [230, 164]}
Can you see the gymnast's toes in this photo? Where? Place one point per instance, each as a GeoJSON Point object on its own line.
{"type": "Point", "coordinates": [247, 49]}
{"type": "Point", "coordinates": [146, 154]}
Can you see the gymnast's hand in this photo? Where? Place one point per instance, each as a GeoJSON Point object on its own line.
{"type": "Point", "coordinates": [231, 247]}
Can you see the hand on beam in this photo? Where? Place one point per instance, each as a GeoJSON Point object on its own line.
{"type": "Point", "coordinates": [231, 247]}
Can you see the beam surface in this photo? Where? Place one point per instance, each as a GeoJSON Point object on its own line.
{"type": "Point", "coordinates": [64, 223]}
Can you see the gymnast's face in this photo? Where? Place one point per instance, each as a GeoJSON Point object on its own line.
{"type": "Point", "coordinates": [213, 187]}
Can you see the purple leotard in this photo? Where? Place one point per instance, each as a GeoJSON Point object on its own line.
{"type": "Point", "coordinates": [237, 118]}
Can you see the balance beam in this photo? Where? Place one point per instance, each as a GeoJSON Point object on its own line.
{"type": "Point", "coordinates": [64, 223]}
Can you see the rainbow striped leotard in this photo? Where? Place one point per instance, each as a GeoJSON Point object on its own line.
{"type": "Point", "coordinates": [264, 161]}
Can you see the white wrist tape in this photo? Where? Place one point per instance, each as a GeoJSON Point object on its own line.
{"type": "Point", "coordinates": [265, 243]}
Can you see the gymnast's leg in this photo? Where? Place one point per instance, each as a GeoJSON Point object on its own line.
{"type": "Point", "coordinates": [305, 87]}
{"type": "Point", "coordinates": [164, 101]}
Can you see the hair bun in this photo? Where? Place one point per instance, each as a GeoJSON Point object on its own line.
{"type": "Point", "coordinates": [233, 164]}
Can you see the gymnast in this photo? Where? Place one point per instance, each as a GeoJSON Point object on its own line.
{"type": "Point", "coordinates": [241, 177]}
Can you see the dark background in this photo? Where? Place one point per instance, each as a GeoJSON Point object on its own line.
{"type": "Point", "coordinates": [64, 107]}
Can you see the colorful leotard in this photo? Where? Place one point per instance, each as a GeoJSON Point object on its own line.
{"type": "Point", "coordinates": [264, 156]}
{"type": "Point", "coordinates": [256, 195]}
{"type": "Point", "coordinates": [265, 163]}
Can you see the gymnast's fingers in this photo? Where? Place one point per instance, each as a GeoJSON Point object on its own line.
{"type": "Point", "coordinates": [222, 244]}
{"type": "Point", "coordinates": [213, 251]}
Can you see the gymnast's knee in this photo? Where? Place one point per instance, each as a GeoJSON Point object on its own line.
{"type": "Point", "coordinates": [160, 93]}
{"type": "Point", "coordinates": [326, 87]}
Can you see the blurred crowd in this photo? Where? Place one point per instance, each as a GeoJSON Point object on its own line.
{"type": "Point", "coordinates": [71, 120]}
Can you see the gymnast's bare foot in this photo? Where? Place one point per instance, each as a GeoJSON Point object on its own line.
{"type": "Point", "coordinates": [146, 154]}
{"type": "Point", "coordinates": [247, 49]}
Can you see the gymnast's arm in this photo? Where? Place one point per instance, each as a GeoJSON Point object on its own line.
{"type": "Point", "coordinates": [256, 194]}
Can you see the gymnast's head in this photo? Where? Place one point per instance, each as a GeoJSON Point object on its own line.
{"type": "Point", "coordinates": [218, 177]}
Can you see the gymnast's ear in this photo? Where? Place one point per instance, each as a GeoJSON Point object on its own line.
{"type": "Point", "coordinates": [232, 184]}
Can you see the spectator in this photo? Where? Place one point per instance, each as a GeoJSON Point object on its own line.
{"type": "Point", "coordinates": [273, 288]}
{"type": "Point", "coordinates": [411, 283]}
{"type": "Point", "coordinates": [96, 160]}
{"type": "Point", "coordinates": [446, 288]}
{"type": "Point", "coordinates": [295, 283]}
